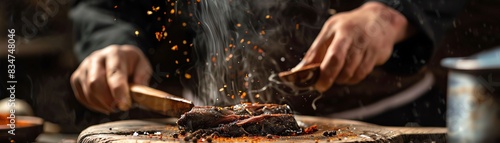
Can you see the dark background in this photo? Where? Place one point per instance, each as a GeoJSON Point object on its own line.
{"type": "Point", "coordinates": [45, 61]}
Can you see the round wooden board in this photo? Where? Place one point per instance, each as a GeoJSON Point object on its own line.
{"type": "Point", "coordinates": [347, 131]}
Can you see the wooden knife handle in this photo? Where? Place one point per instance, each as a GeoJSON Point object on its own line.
{"type": "Point", "coordinates": [159, 101]}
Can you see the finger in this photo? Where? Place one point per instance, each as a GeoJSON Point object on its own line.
{"type": "Point", "coordinates": [97, 93]}
{"type": "Point", "coordinates": [143, 71]}
{"type": "Point", "coordinates": [353, 59]}
{"type": "Point", "coordinates": [77, 81]}
{"type": "Point", "coordinates": [117, 79]}
{"type": "Point", "coordinates": [76, 85]}
{"type": "Point", "coordinates": [365, 68]}
{"type": "Point", "coordinates": [317, 51]}
{"type": "Point", "coordinates": [333, 62]}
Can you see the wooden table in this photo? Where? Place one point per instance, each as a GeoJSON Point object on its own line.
{"type": "Point", "coordinates": [347, 131]}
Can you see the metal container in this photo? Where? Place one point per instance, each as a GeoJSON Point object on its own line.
{"type": "Point", "coordinates": [473, 113]}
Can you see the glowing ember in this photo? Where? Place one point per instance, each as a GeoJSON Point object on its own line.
{"type": "Point", "coordinates": [214, 59]}
{"type": "Point", "coordinates": [187, 76]}
{"type": "Point", "coordinates": [238, 25]}
{"type": "Point", "coordinates": [155, 9]}
{"type": "Point", "coordinates": [268, 17]}
{"type": "Point", "coordinates": [243, 95]}
{"type": "Point", "coordinates": [184, 42]}
{"type": "Point", "coordinates": [229, 57]}
{"type": "Point", "coordinates": [184, 24]}
{"type": "Point", "coordinates": [242, 40]}
{"type": "Point", "coordinates": [158, 35]}
{"type": "Point", "coordinates": [175, 48]}
{"type": "Point", "coordinates": [136, 33]}
{"type": "Point", "coordinates": [172, 11]}
{"type": "Point", "coordinates": [149, 12]}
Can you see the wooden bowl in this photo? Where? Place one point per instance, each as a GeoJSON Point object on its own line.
{"type": "Point", "coordinates": [27, 128]}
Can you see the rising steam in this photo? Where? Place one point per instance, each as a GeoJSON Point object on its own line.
{"type": "Point", "coordinates": [241, 43]}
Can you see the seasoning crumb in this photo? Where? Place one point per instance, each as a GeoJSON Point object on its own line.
{"type": "Point", "coordinates": [269, 136]}
{"type": "Point", "coordinates": [175, 135]}
{"type": "Point", "coordinates": [215, 134]}
{"type": "Point", "coordinates": [332, 133]}
{"type": "Point", "coordinates": [110, 129]}
{"type": "Point", "coordinates": [208, 139]}
{"type": "Point", "coordinates": [326, 133]}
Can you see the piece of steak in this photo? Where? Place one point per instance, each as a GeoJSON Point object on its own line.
{"type": "Point", "coordinates": [241, 119]}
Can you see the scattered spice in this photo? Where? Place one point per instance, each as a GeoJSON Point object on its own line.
{"type": "Point", "coordinates": [175, 135]}
{"type": "Point", "coordinates": [269, 136]}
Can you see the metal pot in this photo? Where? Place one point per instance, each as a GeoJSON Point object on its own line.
{"type": "Point", "coordinates": [473, 113]}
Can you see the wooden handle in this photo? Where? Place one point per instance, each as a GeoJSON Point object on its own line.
{"type": "Point", "coordinates": [159, 101]}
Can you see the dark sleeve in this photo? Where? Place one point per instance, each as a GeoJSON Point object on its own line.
{"type": "Point", "coordinates": [100, 23]}
{"type": "Point", "coordinates": [431, 19]}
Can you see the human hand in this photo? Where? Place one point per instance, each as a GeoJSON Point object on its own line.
{"type": "Point", "coordinates": [352, 43]}
{"type": "Point", "coordinates": [101, 82]}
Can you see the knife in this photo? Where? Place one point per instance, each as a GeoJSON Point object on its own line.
{"type": "Point", "coordinates": [159, 101]}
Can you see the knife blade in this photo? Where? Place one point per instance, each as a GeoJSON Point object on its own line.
{"type": "Point", "coordinates": [159, 101]}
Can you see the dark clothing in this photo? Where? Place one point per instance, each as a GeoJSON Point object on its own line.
{"type": "Point", "coordinates": [156, 26]}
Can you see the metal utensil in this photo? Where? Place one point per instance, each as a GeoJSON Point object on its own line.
{"type": "Point", "coordinates": [159, 101]}
{"type": "Point", "coordinates": [474, 97]}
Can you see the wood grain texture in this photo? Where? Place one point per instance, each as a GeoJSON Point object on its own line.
{"type": "Point", "coordinates": [159, 101]}
{"type": "Point", "coordinates": [122, 131]}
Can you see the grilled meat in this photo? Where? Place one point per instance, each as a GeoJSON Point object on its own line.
{"type": "Point", "coordinates": [241, 119]}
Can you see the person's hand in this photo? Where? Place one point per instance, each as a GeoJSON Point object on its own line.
{"type": "Point", "coordinates": [101, 82]}
{"type": "Point", "coordinates": [352, 43]}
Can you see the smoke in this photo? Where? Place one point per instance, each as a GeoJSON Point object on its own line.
{"type": "Point", "coordinates": [240, 44]}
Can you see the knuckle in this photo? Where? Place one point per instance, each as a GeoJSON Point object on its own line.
{"type": "Point", "coordinates": [94, 83]}
{"type": "Point", "coordinates": [336, 59]}
{"type": "Point", "coordinates": [348, 73]}
{"type": "Point", "coordinates": [346, 26]}
{"type": "Point", "coordinates": [75, 77]}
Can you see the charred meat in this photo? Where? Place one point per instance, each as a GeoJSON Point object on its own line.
{"type": "Point", "coordinates": [241, 119]}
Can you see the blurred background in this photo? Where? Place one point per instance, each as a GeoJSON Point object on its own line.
{"type": "Point", "coordinates": [45, 60]}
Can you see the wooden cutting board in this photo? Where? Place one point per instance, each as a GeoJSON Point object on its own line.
{"type": "Point", "coordinates": [161, 130]}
